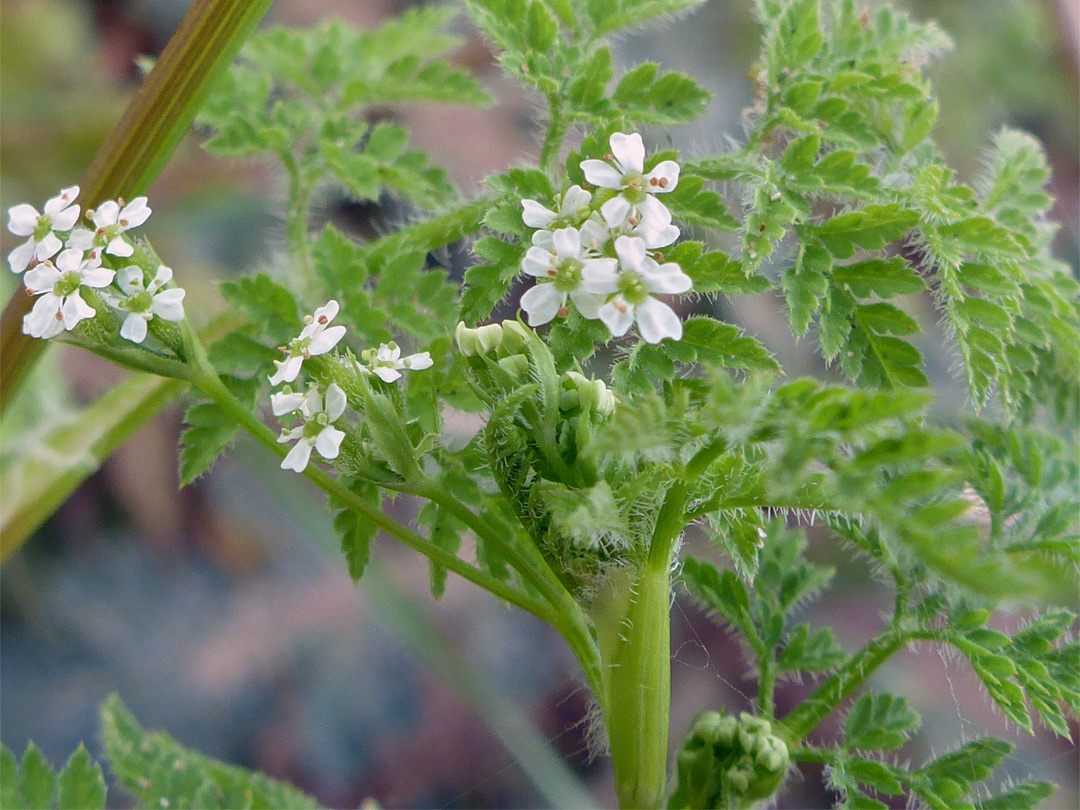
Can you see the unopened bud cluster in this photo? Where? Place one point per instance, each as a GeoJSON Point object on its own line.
{"type": "Point", "coordinates": [726, 757]}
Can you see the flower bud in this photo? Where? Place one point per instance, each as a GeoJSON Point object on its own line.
{"type": "Point", "coordinates": [516, 365]}
{"type": "Point", "coordinates": [481, 340]}
{"type": "Point", "coordinates": [514, 336]}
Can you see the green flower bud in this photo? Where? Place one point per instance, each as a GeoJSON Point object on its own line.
{"type": "Point", "coordinates": [738, 779]}
{"type": "Point", "coordinates": [514, 336]}
{"type": "Point", "coordinates": [481, 340]}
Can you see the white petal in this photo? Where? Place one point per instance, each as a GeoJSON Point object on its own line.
{"type": "Point", "coordinates": [297, 459]}
{"type": "Point", "coordinates": [594, 235]}
{"type": "Point", "coordinates": [135, 213]}
{"type": "Point", "coordinates": [20, 257]}
{"type": "Point", "coordinates": [631, 252]}
{"type": "Point", "coordinates": [290, 435]}
{"type": "Point", "coordinates": [41, 279]}
{"type": "Point", "coordinates": [600, 276]}
{"type": "Point", "coordinates": [119, 247]}
{"type": "Point", "coordinates": [629, 151]}
{"type": "Point", "coordinates": [587, 303]}
{"type": "Point", "coordinates": [574, 200]}
{"type": "Point", "coordinates": [97, 277]}
{"type": "Point", "coordinates": [312, 403]}
{"type": "Point", "coordinates": [75, 310]}
{"type": "Point", "coordinates": [336, 402]}
{"type": "Point", "coordinates": [134, 328]}
{"type": "Point", "coordinates": [65, 220]}
{"type": "Point", "coordinates": [658, 237]}
{"type": "Point", "coordinates": [162, 277]}
{"type": "Point", "coordinates": [69, 260]}
{"type": "Point", "coordinates": [22, 219]}
{"type": "Point", "coordinates": [106, 214]}
{"type": "Point", "coordinates": [387, 374]}
{"type": "Point", "coordinates": [663, 178]}
{"type": "Point", "coordinates": [287, 369]}
{"type": "Point", "coordinates": [602, 174]}
{"type": "Point", "coordinates": [326, 340]}
{"type": "Point", "coordinates": [542, 239]}
{"type": "Point", "coordinates": [41, 321]}
{"type": "Point", "coordinates": [567, 243]}
{"type": "Point", "coordinates": [169, 305]}
{"type": "Point", "coordinates": [328, 442]}
{"type": "Point", "coordinates": [657, 321]}
{"type": "Point", "coordinates": [418, 362]}
{"type": "Point", "coordinates": [80, 239]}
{"type": "Point", "coordinates": [654, 212]}
{"type": "Point", "coordinates": [534, 215]}
{"type": "Point", "coordinates": [130, 279]}
{"type": "Point", "coordinates": [541, 303]}
{"type": "Point", "coordinates": [617, 315]}
{"type": "Point", "coordinates": [47, 247]}
{"type": "Point", "coordinates": [668, 278]}
{"type": "Point", "coordinates": [615, 211]}
{"type": "Point", "coordinates": [61, 201]}
{"type": "Point", "coordinates": [282, 403]}
{"type": "Point", "coordinates": [329, 310]}
{"type": "Point", "coordinates": [537, 261]}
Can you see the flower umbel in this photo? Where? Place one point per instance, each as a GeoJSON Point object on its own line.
{"type": "Point", "coordinates": [60, 215]}
{"type": "Point", "coordinates": [61, 305]}
{"type": "Point", "coordinates": [142, 302]}
{"type": "Point", "coordinates": [630, 292]}
{"type": "Point", "coordinates": [386, 362]}
{"type": "Point", "coordinates": [317, 432]}
{"type": "Point", "coordinates": [316, 338]}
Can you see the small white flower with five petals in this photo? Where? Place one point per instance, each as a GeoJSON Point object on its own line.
{"type": "Point", "coordinates": [561, 269]}
{"type": "Point", "coordinates": [573, 208]}
{"type": "Point", "coordinates": [630, 292]}
{"type": "Point", "coordinates": [142, 302]}
{"type": "Point", "coordinates": [386, 362]}
{"type": "Point", "coordinates": [316, 338]}
{"type": "Point", "coordinates": [317, 432]}
{"type": "Point", "coordinates": [60, 215]}
{"type": "Point", "coordinates": [627, 176]}
{"type": "Point", "coordinates": [61, 305]}
{"type": "Point", "coordinates": [112, 221]}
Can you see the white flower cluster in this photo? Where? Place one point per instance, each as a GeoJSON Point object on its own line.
{"type": "Point", "coordinates": [62, 259]}
{"type": "Point", "coordinates": [600, 260]}
{"type": "Point", "coordinates": [317, 409]}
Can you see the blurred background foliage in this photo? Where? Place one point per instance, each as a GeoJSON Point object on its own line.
{"type": "Point", "coordinates": [223, 613]}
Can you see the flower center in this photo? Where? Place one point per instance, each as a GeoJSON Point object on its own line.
{"type": "Point", "coordinates": [43, 227]}
{"type": "Point", "coordinates": [313, 428]}
{"type": "Point", "coordinates": [634, 187]}
{"type": "Point", "coordinates": [632, 288]}
{"type": "Point", "coordinates": [140, 302]}
{"type": "Point", "coordinates": [568, 275]}
{"type": "Point", "coordinates": [68, 283]}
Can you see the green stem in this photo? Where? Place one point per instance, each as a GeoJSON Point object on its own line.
{"type": "Point", "coordinates": [212, 386]}
{"type": "Point", "coordinates": [805, 718]}
{"type": "Point", "coordinates": [146, 136]}
{"type": "Point", "coordinates": [635, 634]}
{"type": "Point", "coordinates": [553, 138]}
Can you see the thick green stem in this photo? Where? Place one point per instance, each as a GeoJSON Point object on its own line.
{"type": "Point", "coordinates": [634, 628]}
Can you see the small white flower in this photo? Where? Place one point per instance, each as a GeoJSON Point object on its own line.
{"type": "Point", "coordinates": [316, 338]}
{"type": "Point", "coordinates": [23, 220]}
{"type": "Point", "coordinates": [630, 292]}
{"type": "Point", "coordinates": [112, 221]}
{"type": "Point", "coordinates": [386, 362]}
{"type": "Point", "coordinates": [562, 269]}
{"type": "Point", "coordinates": [143, 302]}
{"type": "Point", "coordinates": [318, 430]}
{"type": "Point", "coordinates": [573, 207]}
{"type": "Point", "coordinates": [627, 176]}
{"type": "Point", "coordinates": [61, 305]}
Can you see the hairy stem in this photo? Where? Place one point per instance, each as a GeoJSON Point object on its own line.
{"type": "Point", "coordinates": [553, 138]}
